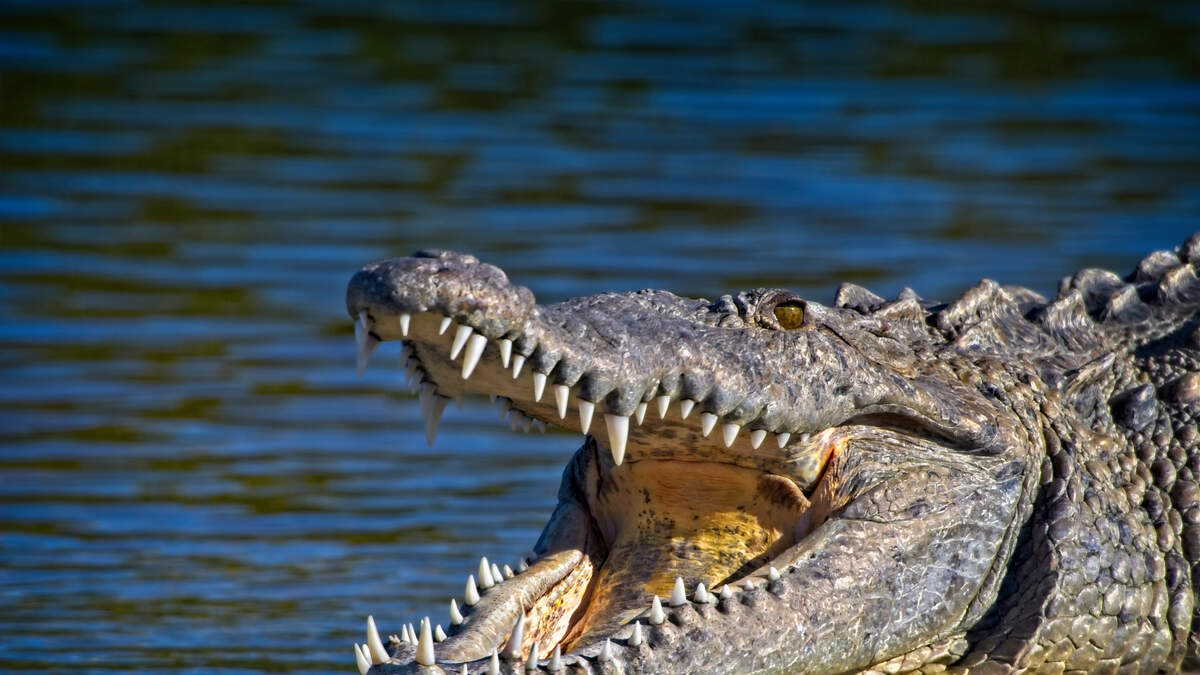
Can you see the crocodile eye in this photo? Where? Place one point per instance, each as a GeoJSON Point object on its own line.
{"type": "Point", "coordinates": [790, 314]}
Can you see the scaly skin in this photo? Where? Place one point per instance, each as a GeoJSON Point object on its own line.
{"type": "Point", "coordinates": [1003, 483]}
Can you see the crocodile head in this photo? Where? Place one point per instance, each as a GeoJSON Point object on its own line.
{"type": "Point", "coordinates": [765, 483]}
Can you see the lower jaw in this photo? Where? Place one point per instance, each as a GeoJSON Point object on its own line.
{"type": "Point", "coordinates": [632, 534]}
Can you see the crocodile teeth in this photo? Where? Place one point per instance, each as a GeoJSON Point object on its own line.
{"type": "Point", "coordinates": [471, 596]}
{"type": "Point", "coordinates": [439, 635]}
{"type": "Point", "coordinates": [729, 433]}
{"type": "Point", "coordinates": [636, 639]}
{"type": "Point", "coordinates": [556, 659]}
{"type": "Point", "coordinates": [701, 595]}
{"type": "Point", "coordinates": [606, 653]}
{"type": "Point", "coordinates": [657, 615]}
{"type": "Point", "coordinates": [726, 592]}
{"type": "Point", "coordinates": [374, 644]}
{"type": "Point", "coordinates": [782, 439]}
{"type": "Point", "coordinates": [773, 574]}
{"type": "Point", "coordinates": [496, 573]}
{"type": "Point", "coordinates": [586, 408]}
{"type": "Point", "coordinates": [405, 321]}
{"type": "Point", "coordinates": [685, 407]}
{"type": "Point", "coordinates": [539, 386]}
{"type": "Point", "coordinates": [531, 663]}
{"type": "Point", "coordinates": [505, 351]}
{"type": "Point", "coordinates": [664, 402]}
{"type": "Point", "coordinates": [618, 431]}
{"type": "Point", "coordinates": [518, 362]}
{"type": "Point", "coordinates": [678, 594]}
{"type": "Point", "coordinates": [561, 391]}
{"type": "Point", "coordinates": [407, 636]}
{"type": "Point", "coordinates": [512, 650]}
{"type": "Point", "coordinates": [494, 664]}
{"type": "Point", "coordinates": [756, 437]}
{"type": "Point", "coordinates": [365, 342]}
{"type": "Point", "coordinates": [640, 413]}
{"type": "Point", "coordinates": [444, 325]}
{"type": "Point", "coordinates": [434, 417]}
{"type": "Point", "coordinates": [707, 422]}
{"type": "Point", "coordinates": [474, 350]}
{"type": "Point", "coordinates": [361, 661]}
{"type": "Point", "coordinates": [508, 572]}
{"type": "Point", "coordinates": [485, 574]}
{"type": "Point", "coordinates": [460, 341]}
{"type": "Point", "coordinates": [425, 645]}
{"type": "Point", "coordinates": [456, 617]}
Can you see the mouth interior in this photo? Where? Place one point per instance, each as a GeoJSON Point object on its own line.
{"type": "Point", "coordinates": [673, 510]}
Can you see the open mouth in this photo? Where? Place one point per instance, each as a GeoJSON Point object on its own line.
{"type": "Point", "coordinates": [666, 509]}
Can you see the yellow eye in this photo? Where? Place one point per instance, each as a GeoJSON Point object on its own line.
{"type": "Point", "coordinates": [789, 314]}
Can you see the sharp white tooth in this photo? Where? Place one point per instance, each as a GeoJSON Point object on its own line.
{"type": "Point", "coordinates": [657, 615]}
{"type": "Point", "coordinates": [539, 386]}
{"type": "Point", "coordinates": [748, 585]}
{"type": "Point", "coordinates": [494, 664]}
{"type": "Point", "coordinates": [407, 636]}
{"type": "Point", "coordinates": [425, 645]}
{"type": "Point", "coordinates": [685, 408]}
{"type": "Point", "coordinates": [405, 321]}
{"type": "Point", "coordinates": [460, 341]}
{"type": "Point", "coordinates": [586, 408]}
{"type": "Point", "coordinates": [464, 670]}
{"type": "Point", "coordinates": [508, 572]}
{"type": "Point", "coordinates": [678, 594]}
{"type": "Point", "coordinates": [606, 651]}
{"type": "Point", "coordinates": [456, 617]}
{"type": "Point", "coordinates": [636, 639]}
{"type": "Point", "coordinates": [366, 653]}
{"type": "Point", "coordinates": [518, 362]}
{"type": "Point", "coordinates": [701, 595]}
{"type": "Point", "coordinates": [729, 433]}
{"type": "Point", "coordinates": [756, 437]}
{"type": "Point", "coordinates": [639, 413]}
{"type": "Point", "coordinates": [471, 356]}
{"type": "Point", "coordinates": [444, 325]}
{"type": "Point", "coordinates": [773, 574]}
{"type": "Point", "coordinates": [522, 565]}
{"type": "Point", "coordinates": [363, 664]}
{"type": "Point", "coordinates": [394, 639]}
{"type": "Point", "coordinates": [496, 576]}
{"type": "Point", "coordinates": [485, 574]}
{"type": "Point", "coordinates": [434, 418]}
{"type": "Point", "coordinates": [512, 650]}
{"type": "Point", "coordinates": [365, 342]}
{"type": "Point", "coordinates": [707, 422]}
{"type": "Point", "coordinates": [782, 439]}
{"type": "Point", "coordinates": [726, 592]}
{"type": "Point", "coordinates": [561, 391]}
{"type": "Point", "coordinates": [505, 351]}
{"type": "Point", "coordinates": [556, 659]}
{"type": "Point", "coordinates": [378, 653]}
{"type": "Point", "coordinates": [471, 596]}
{"type": "Point", "coordinates": [438, 633]}
{"type": "Point", "coordinates": [804, 437]}
{"type": "Point", "coordinates": [618, 431]}
{"type": "Point", "coordinates": [531, 663]}
{"type": "Point", "coordinates": [664, 403]}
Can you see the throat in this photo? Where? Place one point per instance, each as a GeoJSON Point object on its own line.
{"type": "Point", "coordinates": [704, 522]}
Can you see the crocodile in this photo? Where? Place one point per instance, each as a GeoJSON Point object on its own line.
{"type": "Point", "coordinates": [767, 484]}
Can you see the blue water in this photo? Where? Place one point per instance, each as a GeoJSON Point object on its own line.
{"type": "Point", "coordinates": [192, 480]}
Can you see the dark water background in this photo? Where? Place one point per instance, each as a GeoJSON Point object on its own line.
{"type": "Point", "coordinates": [192, 479]}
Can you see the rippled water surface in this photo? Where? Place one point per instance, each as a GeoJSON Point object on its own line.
{"type": "Point", "coordinates": [191, 477]}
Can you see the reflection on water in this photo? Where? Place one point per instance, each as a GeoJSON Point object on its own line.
{"type": "Point", "coordinates": [192, 478]}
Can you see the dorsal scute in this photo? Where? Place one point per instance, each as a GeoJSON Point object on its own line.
{"type": "Point", "coordinates": [853, 296]}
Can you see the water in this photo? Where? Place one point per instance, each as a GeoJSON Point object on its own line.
{"type": "Point", "coordinates": [192, 480]}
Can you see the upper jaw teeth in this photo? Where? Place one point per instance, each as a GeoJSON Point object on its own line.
{"type": "Point", "coordinates": [470, 345]}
